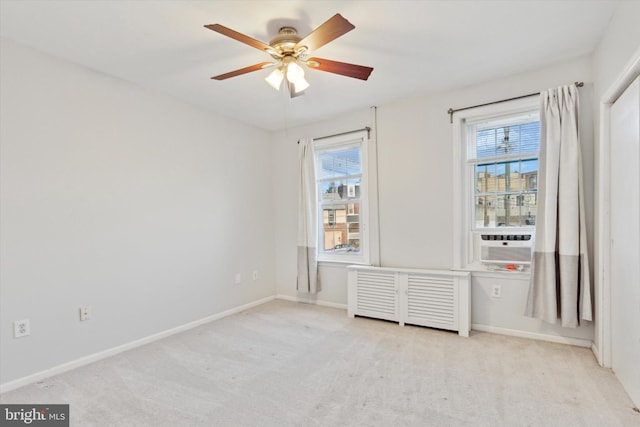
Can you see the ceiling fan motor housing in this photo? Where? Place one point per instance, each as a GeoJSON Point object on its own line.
{"type": "Point", "coordinates": [283, 44]}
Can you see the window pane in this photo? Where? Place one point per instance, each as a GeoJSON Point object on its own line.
{"type": "Point", "coordinates": [529, 174]}
{"type": "Point", "coordinates": [329, 190]}
{"type": "Point", "coordinates": [338, 163]}
{"type": "Point", "coordinates": [349, 189]}
{"type": "Point", "coordinates": [529, 207]}
{"type": "Point", "coordinates": [486, 178]}
{"type": "Point", "coordinates": [485, 211]}
{"type": "Point", "coordinates": [341, 225]}
{"type": "Point", "coordinates": [515, 210]}
{"type": "Point", "coordinates": [340, 190]}
{"type": "Point", "coordinates": [486, 143]}
{"type": "Point", "coordinates": [353, 228]}
{"type": "Point", "coordinates": [332, 239]}
{"type": "Point", "coordinates": [334, 224]}
{"type": "Point", "coordinates": [520, 210]}
{"type": "Point", "coordinates": [507, 175]}
{"type": "Point", "coordinates": [352, 189]}
{"type": "Point", "coordinates": [506, 210]}
{"type": "Point", "coordinates": [508, 140]}
{"type": "Point", "coordinates": [503, 210]}
{"type": "Point", "coordinates": [530, 137]}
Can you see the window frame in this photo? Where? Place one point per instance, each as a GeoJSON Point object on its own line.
{"type": "Point", "coordinates": [474, 161]}
{"type": "Point", "coordinates": [465, 230]}
{"type": "Point", "coordinates": [359, 138]}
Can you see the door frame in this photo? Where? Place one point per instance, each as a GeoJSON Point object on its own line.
{"type": "Point", "coordinates": [602, 264]}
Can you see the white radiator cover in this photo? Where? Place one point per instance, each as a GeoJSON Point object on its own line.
{"type": "Point", "coordinates": [434, 298]}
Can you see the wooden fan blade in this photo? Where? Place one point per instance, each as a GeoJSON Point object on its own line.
{"type": "Point", "coordinates": [350, 70]}
{"type": "Point", "coordinates": [244, 70]}
{"type": "Point", "coordinates": [238, 36]}
{"type": "Point", "coordinates": [330, 30]}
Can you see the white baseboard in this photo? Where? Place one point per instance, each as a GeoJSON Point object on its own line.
{"type": "Point", "coordinates": [38, 376]}
{"type": "Point", "coordinates": [578, 342]}
{"type": "Point", "coordinates": [312, 301]}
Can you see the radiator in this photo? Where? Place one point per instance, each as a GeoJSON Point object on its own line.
{"type": "Point", "coordinates": [433, 298]}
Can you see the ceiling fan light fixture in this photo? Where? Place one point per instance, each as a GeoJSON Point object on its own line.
{"type": "Point", "coordinates": [300, 85]}
{"type": "Point", "coordinates": [275, 78]}
{"type": "Point", "coordinates": [295, 72]}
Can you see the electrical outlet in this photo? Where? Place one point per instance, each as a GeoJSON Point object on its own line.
{"type": "Point", "coordinates": [85, 313]}
{"type": "Point", "coordinates": [21, 328]}
{"type": "Point", "coordinates": [238, 278]}
{"type": "Point", "coordinates": [255, 274]}
{"type": "Point", "coordinates": [496, 291]}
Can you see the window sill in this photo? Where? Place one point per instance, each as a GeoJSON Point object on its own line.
{"type": "Point", "coordinates": [343, 258]}
{"type": "Point", "coordinates": [484, 270]}
{"type": "Point", "coordinates": [340, 263]}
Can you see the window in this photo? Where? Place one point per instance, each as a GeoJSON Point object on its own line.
{"type": "Point", "coordinates": [503, 155]}
{"type": "Point", "coordinates": [497, 173]}
{"type": "Point", "coordinates": [341, 174]}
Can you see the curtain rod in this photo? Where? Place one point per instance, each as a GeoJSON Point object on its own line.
{"type": "Point", "coordinates": [451, 110]}
{"type": "Point", "coordinates": [367, 128]}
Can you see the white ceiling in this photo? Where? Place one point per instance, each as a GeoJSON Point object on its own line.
{"type": "Point", "coordinates": [415, 46]}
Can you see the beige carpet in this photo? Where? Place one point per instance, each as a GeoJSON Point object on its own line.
{"type": "Point", "coordinates": [288, 364]}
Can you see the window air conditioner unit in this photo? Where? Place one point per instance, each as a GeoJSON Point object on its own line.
{"type": "Point", "coordinates": [506, 248]}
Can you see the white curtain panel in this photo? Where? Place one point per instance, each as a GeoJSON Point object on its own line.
{"type": "Point", "coordinates": [307, 220]}
{"type": "Point", "coordinates": [560, 286]}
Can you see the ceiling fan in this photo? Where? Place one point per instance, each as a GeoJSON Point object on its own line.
{"type": "Point", "coordinates": [291, 53]}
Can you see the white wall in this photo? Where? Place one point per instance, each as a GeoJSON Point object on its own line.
{"type": "Point", "coordinates": [415, 158]}
{"type": "Point", "coordinates": [620, 42]}
{"type": "Point", "coordinates": [133, 203]}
